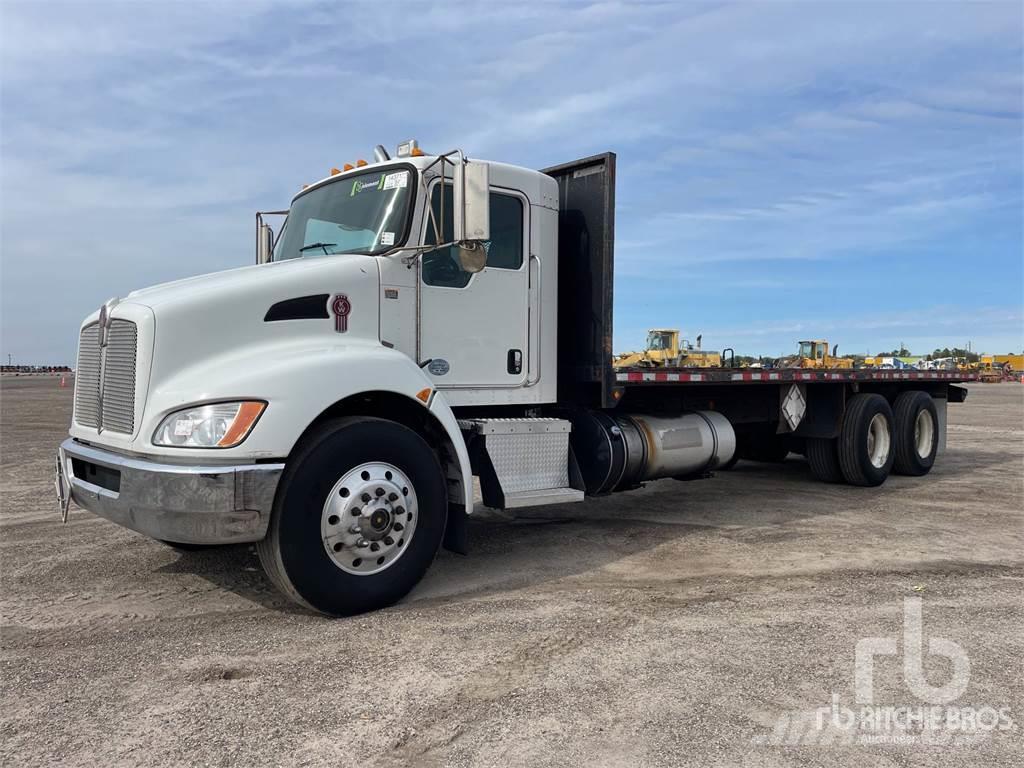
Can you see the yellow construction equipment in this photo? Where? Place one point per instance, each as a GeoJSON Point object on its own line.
{"type": "Point", "coordinates": [1014, 362]}
{"type": "Point", "coordinates": [664, 349]}
{"type": "Point", "coordinates": [815, 354]}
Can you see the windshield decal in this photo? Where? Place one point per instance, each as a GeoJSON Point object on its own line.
{"type": "Point", "coordinates": [387, 238]}
{"type": "Point", "coordinates": [361, 185]}
{"type": "Point", "coordinates": [396, 180]}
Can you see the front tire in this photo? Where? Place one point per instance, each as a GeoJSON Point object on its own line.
{"type": "Point", "coordinates": [916, 433]}
{"type": "Point", "coordinates": [358, 518]}
{"type": "Point", "coordinates": [865, 442]}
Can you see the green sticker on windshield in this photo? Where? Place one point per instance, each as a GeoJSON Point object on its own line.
{"type": "Point", "coordinates": [360, 185]}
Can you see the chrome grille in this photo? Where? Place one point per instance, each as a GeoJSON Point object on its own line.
{"type": "Point", "coordinates": [119, 377]}
{"type": "Point", "coordinates": [87, 377]}
{"type": "Point", "coordinates": [118, 373]}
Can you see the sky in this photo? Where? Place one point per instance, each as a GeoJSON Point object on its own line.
{"type": "Point", "coordinates": [851, 171]}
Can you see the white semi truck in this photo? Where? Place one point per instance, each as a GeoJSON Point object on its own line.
{"type": "Point", "coordinates": [420, 321]}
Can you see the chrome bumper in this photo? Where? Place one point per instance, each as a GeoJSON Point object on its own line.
{"type": "Point", "coordinates": [172, 502]}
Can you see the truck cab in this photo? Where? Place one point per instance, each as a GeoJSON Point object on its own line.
{"type": "Point", "coordinates": [402, 290]}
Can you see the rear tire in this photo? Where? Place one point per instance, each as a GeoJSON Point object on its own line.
{"type": "Point", "coordinates": [865, 443]}
{"type": "Point", "coordinates": [358, 517]}
{"type": "Point", "coordinates": [823, 456]}
{"type": "Point", "coordinates": [916, 433]}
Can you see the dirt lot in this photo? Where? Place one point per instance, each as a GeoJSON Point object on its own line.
{"type": "Point", "coordinates": [687, 623]}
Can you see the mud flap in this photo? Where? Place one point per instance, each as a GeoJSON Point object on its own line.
{"type": "Point", "coordinates": [456, 538]}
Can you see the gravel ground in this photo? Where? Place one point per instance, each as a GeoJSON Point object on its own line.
{"type": "Point", "coordinates": [683, 624]}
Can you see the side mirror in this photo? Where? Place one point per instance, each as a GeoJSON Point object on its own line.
{"type": "Point", "coordinates": [472, 189]}
{"type": "Point", "coordinates": [264, 243]}
{"type": "Point", "coordinates": [472, 256]}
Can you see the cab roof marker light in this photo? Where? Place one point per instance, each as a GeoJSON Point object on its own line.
{"type": "Point", "coordinates": [417, 152]}
{"type": "Point", "coordinates": [360, 163]}
{"type": "Point", "coordinates": [347, 167]}
{"type": "Point", "coordinates": [335, 171]}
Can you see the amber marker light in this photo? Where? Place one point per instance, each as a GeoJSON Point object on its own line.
{"type": "Point", "coordinates": [247, 415]}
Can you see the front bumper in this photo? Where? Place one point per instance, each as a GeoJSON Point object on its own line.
{"type": "Point", "coordinates": [171, 502]}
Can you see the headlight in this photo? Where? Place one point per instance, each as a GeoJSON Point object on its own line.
{"type": "Point", "coordinates": [218, 425]}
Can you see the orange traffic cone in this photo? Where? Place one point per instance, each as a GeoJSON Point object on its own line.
{"type": "Point", "coordinates": [63, 382]}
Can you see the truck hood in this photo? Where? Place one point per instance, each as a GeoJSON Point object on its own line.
{"type": "Point", "coordinates": [223, 315]}
{"type": "Point", "coordinates": [194, 337]}
{"type": "Point", "coordinates": [284, 276]}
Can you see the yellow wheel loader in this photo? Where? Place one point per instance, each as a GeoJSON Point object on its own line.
{"type": "Point", "coordinates": [665, 350]}
{"type": "Point", "coordinates": [815, 354]}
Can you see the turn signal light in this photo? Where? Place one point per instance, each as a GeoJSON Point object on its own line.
{"type": "Point", "coordinates": [247, 415]}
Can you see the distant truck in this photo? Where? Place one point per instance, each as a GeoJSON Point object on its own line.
{"type": "Point", "coordinates": [420, 321]}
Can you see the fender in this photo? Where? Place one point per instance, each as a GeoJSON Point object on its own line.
{"type": "Point", "coordinates": [299, 379]}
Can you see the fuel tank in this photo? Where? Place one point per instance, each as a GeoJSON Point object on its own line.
{"type": "Point", "coordinates": [618, 452]}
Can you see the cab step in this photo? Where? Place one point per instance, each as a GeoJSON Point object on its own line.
{"type": "Point", "coordinates": [521, 462]}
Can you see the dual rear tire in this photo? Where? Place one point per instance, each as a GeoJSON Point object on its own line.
{"type": "Point", "coordinates": [876, 439]}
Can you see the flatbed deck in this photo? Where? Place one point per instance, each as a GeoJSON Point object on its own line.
{"type": "Point", "coordinates": [776, 375]}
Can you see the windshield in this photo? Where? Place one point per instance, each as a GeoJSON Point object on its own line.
{"type": "Point", "coordinates": [657, 340]}
{"type": "Point", "coordinates": [366, 213]}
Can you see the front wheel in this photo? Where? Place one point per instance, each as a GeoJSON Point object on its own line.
{"type": "Point", "coordinates": [358, 518]}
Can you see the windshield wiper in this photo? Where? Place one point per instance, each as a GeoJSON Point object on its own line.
{"type": "Point", "coordinates": [325, 246]}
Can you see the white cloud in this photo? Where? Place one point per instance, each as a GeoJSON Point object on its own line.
{"type": "Point", "coordinates": [766, 145]}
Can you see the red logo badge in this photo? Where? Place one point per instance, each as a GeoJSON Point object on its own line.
{"type": "Point", "coordinates": [341, 307]}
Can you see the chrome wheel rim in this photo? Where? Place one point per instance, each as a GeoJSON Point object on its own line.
{"type": "Point", "coordinates": [878, 441]}
{"type": "Point", "coordinates": [369, 518]}
{"type": "Point", "coordinates": [924, 433]}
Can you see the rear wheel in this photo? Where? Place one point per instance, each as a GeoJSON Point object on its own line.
{"type": "Point", "coordinates": [865, 442]}
{"type": "Point", "coordinates": [823, 456]}
{"type": "Point", "coordinates": [358, 518]}
{"type": "Point", "coordinates": [916, 433]}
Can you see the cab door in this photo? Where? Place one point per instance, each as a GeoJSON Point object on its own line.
{"type": "Point", "coordinates": [474, 327]}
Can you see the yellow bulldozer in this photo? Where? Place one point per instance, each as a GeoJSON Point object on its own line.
{"type": "Point", "coordinates": [815, 354]}
{"type": "Point", "coordinates": [664, 349]}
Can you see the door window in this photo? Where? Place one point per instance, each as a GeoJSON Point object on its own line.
{"type": "Point", "coordinates": [441, 267]}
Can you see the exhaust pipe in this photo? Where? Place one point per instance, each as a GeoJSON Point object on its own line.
{"type": "Point", "coordinates": [380, 154]}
